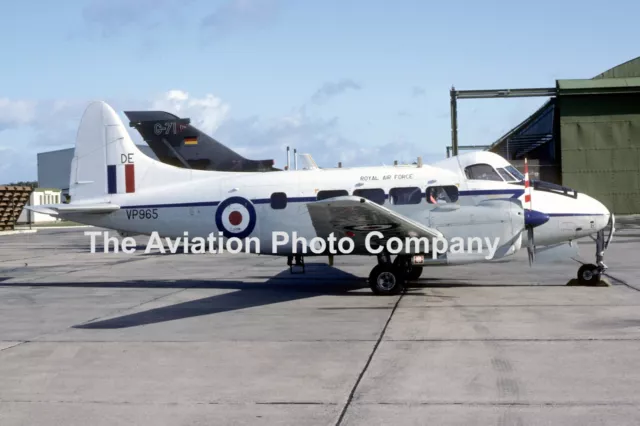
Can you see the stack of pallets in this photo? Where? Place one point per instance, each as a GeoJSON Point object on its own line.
{"type": "Point", "coordinates": [12, 201]}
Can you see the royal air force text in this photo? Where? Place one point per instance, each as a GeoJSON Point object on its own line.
{"type": "Point", "coordinates": [133, 214]}
{"type": "Point", "coordinates": [386, 177]}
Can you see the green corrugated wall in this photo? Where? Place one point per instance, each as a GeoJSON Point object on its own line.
{"type": "Point", "coordinates": [601, 148]}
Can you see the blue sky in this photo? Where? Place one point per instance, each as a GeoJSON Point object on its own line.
{"type": "Point", "coordinates": [363, 82]}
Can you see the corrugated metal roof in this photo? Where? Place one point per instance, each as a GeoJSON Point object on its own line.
{"type": "Point", "coordinates": [601, 83]}
{"type": "Point", "coordinates": [536, 130]}
{"type": "Point", "coordinates": [627, 69]}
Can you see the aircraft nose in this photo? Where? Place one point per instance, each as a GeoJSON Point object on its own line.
{"type": "Point", "coordinates": [600, 212]}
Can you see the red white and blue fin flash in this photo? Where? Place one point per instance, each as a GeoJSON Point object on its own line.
{"type": "Point", "coordinates": [121, 179]}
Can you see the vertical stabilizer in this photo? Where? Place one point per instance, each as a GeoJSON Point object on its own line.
{"type": "Point", "coordinates": [106, 162]}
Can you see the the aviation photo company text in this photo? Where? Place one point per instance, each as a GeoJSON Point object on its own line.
{"type": "Point", "coordinates": [374, 242]}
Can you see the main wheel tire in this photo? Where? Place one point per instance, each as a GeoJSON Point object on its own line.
{"type": "Point", "coordinates": [588, 274]}
{"type": "Point", "coordinates": [415, 273]}
{"type": "Point", "coordinates": [386, 280]}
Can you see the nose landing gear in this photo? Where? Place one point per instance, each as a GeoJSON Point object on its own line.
{"type": "Point", "coordinates": [590, 274]}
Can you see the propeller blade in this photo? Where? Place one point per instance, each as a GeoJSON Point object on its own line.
{"type": "Point", "coordinates": [532, 217]}
{"type": "Point", "coordinates": [531, 246]}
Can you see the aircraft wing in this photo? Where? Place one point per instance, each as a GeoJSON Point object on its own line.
{"type": "Point", "coordinates": [56, 209]}
{"type": "Point", "coordinates": [357, 216]}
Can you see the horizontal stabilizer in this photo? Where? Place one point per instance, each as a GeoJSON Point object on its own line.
{"type": "Point", "coordinates": [56, 209]}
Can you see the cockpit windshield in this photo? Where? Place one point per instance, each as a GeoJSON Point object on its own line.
{"type": "Point", "coordinates": [515, 172]}
{"type": "Point", "coordinates": [506, 176]}
{"type": "Point", "coordinates": [482, 172]}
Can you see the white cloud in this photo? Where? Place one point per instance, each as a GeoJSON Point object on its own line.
{"type": "Point", "coordinates": [113, 17]}
{"type": "Point", "coordinates": [53, 124]}
{"type": "Point", "coordinates": [418, 91]}
{"type": "Point", "coordinates": [258, 138]}
{"type": "Point", "coordinates": [16, 165]}
{"type": "Point", "coordinates": [236, 14]}
{"type": "Point", "coordinates": [206, 113]}
{"type": "Point", "coordinates": [331, 89]}
{"type": "Point", "coordinates": [16, 113]}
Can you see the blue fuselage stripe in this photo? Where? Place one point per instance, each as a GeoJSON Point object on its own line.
{"type": "Point", "coordinates": [515, 193]}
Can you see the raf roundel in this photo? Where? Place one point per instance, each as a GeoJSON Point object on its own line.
{"type": "Point", "coordinates": [236, 217]}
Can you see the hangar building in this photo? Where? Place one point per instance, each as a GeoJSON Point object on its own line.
{"type": "Point", "coordinates": [54, 167]}
{"type": "Point", "coordinates": [587, 137]}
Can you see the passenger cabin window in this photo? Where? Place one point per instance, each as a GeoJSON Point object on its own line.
{"type": "Point", "coordinates": [442, 194]}
{"type": "Point", "coordinates": [408, 195]}
{"type": "Point", "coordinates": [278, 200]}
{"type": "Point", "coordinates": [482, 172]}
{"type": "Point", "coordinates": [323, 195]}
{"type": "Point", "coordinates": [373, 194]}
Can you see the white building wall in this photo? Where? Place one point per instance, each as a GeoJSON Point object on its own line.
{"type": "Point", "coordinates": [38, 198]}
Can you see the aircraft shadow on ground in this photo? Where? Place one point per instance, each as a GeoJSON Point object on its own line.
{"type": "Point", "coordinates": [320, 280]}
{"type": "Point", "coordinates": [283, 287]}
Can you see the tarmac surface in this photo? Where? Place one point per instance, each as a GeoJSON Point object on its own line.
{"type": "Point", "coordinates": [151, 339]}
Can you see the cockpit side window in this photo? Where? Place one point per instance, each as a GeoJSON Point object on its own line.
{"type": "Point", "coordinates": [515, 172]}
{"type": "Point", "coordinates": [482, 172]}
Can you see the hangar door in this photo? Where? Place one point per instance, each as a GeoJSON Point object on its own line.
{"type": "Point", "coordinates": [600, 146]}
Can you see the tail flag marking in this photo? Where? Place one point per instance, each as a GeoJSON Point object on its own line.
{"type": "Point", "coordinates": [121, 178]}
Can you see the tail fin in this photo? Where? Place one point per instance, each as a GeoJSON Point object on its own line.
{"type": "Point", "coordinates": [107, 162]}
{"type": "Point", "coordinates": [174, 141]}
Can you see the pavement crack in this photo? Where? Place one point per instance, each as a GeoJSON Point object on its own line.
{"type": "Point", "coordinates": [622, 282]}
{"type": "Point", "coordinates": [366, 365]}
{"type": "Point", "coordinates": [524, 340]}
{"type": "Point", "coordinates": [295, 403]}
{"type": "Point", "coordinates": [14, 346]}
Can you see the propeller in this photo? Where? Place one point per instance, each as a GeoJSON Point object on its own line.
{"type": "Point", "coordinates": [532, 218]}
{"type": "Point", "coordinates": [531, 245]}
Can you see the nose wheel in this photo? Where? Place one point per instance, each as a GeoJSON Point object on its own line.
{"type": "Point", "coordinates": [590, 274]}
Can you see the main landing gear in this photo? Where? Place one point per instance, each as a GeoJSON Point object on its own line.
{"type": "Point", "coordinates": [389, 278]}
{"type": "Point", "coordinates": [299, 262]}
{"type": "Point", "coordinates": [590, 274]}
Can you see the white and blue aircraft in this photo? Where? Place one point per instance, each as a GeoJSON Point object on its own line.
{"type": "Point", "coordinates": [115, 186]}
{"type": "Point", "coordinates": [487, 176]}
